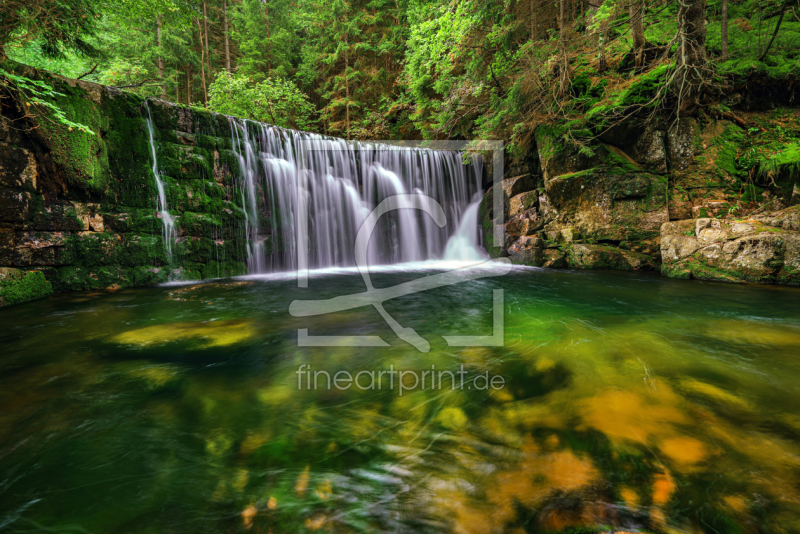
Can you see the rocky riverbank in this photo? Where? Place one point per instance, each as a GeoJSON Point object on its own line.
{"type": "Point", "coordinates": [657, 195]}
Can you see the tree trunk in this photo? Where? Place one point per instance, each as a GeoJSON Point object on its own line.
{"type": "Point", "coordinates": [160, 59]}
{"type": "Point", "coordinates": [777, 27]}
{"type": "Point", "coordinates": [202, 62]}
{"type": "Point", "coordinates": [225, 29]}
{"type": "Point", "coordinates": [692, 60]}
{"type": "Point", "coordinates": [601, 38]}
{"type": "Point", "coordinates": [564, 69]}
{"type": "Point", "coordinates": [205, 31]}
{"type": "Point", "coordinates": [637, 31]}
{"type": "Point", "coordinates": [724, 29]}
{"type": "Point", "coordinates": [269, 40]}
{"type": "Point", "coordinates": [347, 85]}
{"type": "Point", "coordinates": [189, 86]}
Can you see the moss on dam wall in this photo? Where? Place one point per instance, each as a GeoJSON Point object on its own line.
{"type": "Point", "coordinates": [78, 209]}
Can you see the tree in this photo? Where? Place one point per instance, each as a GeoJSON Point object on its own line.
{"type": "Point", "coordinates": [58, 25]}
{"type": "Point", "coordinates": [636, 9]}
{"type": "Point", "coordinates": [724, 29]}
{"type": "Point", "coordinates": [564, 74]}
{"type": "Point", "coordinates": [692, 59]}
{"type": "Point", "coordinates": [275, 101]}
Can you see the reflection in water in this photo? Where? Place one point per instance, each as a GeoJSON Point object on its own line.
{"type": "Point", "coordinates": [631, 403]}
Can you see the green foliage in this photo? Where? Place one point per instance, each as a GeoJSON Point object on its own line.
{"type": "Point", "coordinates": [275, 101]}
{"type": "Point", "coordinates": [40, 95]}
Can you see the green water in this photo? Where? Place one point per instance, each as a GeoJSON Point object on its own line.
{"type": "Point", "coordinates": [630, 401]}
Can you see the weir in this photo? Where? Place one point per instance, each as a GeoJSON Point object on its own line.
{"type": "Point", "coordinates": [327, 186]}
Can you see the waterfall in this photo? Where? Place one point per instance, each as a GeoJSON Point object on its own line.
{"type": "Point", "coordinates": [284, 174]}
{"type": "Point", "coordinates": [465, 244]}
{"type": "Point", "coordinates": [167, 222]}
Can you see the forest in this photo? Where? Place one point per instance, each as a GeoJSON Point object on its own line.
{"type": "Point", "coordinates": [412, 69]}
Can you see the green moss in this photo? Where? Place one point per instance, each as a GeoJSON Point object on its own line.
{"type": "Point", "coordinates": [92, 248]}
{"type": "Point", "coordinates": [123, 220]}
{"type": "Point", "coordinates": [142, 249]}
{"type": "Point", "coordinates": [20, 286]}
{"type": "Point", "coordinates": [642, 92]}
{"type": "Point", "coordinates": [673, 271]}
{"type": "Point", "coordinates": [703, 271]}
{"type": "Point", "coordinates": [729, 143]}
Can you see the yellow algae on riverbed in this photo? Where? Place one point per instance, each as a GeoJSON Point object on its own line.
{"type": "Point", "coordinates": [684, 451]}
{"type": "Point", "coordinates": [529, 484]}
{"type": "Point", "coordinates": [631, 416]}
{"type": "Point", "coordinates": [713, 393]}
{"type": "Point", "coordinates": [206, 334]}
{"type": "Point", "coordinates": [742, 331]}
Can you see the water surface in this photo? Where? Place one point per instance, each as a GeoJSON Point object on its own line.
{"type": "Point", "coordinates": [630, 401]}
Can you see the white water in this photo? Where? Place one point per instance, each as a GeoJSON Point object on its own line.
{"type": "Point", "coordinates": [167, 222]}
{"type": "Point", "coordinates": [292, 181]}
{"type": "Point", "coordinates": [465, 244]}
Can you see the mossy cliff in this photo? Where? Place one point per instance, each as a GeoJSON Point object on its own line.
{"type": "Point", "coordinates": [78, 209]}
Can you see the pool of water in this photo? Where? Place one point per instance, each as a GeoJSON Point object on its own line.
{"type": "Point", "coordinates": [628, 401]}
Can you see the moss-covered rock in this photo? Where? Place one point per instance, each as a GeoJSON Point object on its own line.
{"type": "Point", "coordinates": [18, 286]}
{"type": "Point", "coordinates": [581, 256]}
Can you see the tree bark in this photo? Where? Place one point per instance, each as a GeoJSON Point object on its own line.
{"type": "Point", "coordinates": [269, 40]}
{"type": "Point", "coordinates": [692, 58]}
{"type": "Point", "coordinates": [205, 31]}
{"type": "Point", "coordinates": [202, 62]}
{"type": "Point", "coordinates": [777, 27]}
{"type": "Point", "coordinates": [636, 10]}
{"type": "Point", "coordinates": [160, 58]}
{"type": "Point", "coordinates": [189, 86]}
{"type": "Point", "coordinates": [724, 29]}
{"type": "Point", "coordinates": [564, 74]}
{"type": "Point", "coordinates": [602, 37]}
{"type": "Point", "coordinates": [225, 29]}
{"type": "Point", "coordinates": [347, 85]}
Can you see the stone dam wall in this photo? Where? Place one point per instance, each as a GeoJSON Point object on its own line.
{"type": "Point", "coordinates": [78, 210]}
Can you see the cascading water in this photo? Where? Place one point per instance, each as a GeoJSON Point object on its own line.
{"type": "Point", "coordinates": [336, 183]}
{"type": "Point", "coordinates": [167, 222]}
{"type": "Point", "coordinates": [465, 244]}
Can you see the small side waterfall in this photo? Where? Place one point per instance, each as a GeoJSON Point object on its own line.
{"type": "Point", "coordinates": [465, 244]}
{"type": "Point", "coordinates": [168, 223]}
{"type": "Point", "coordinates": [290, 180]}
